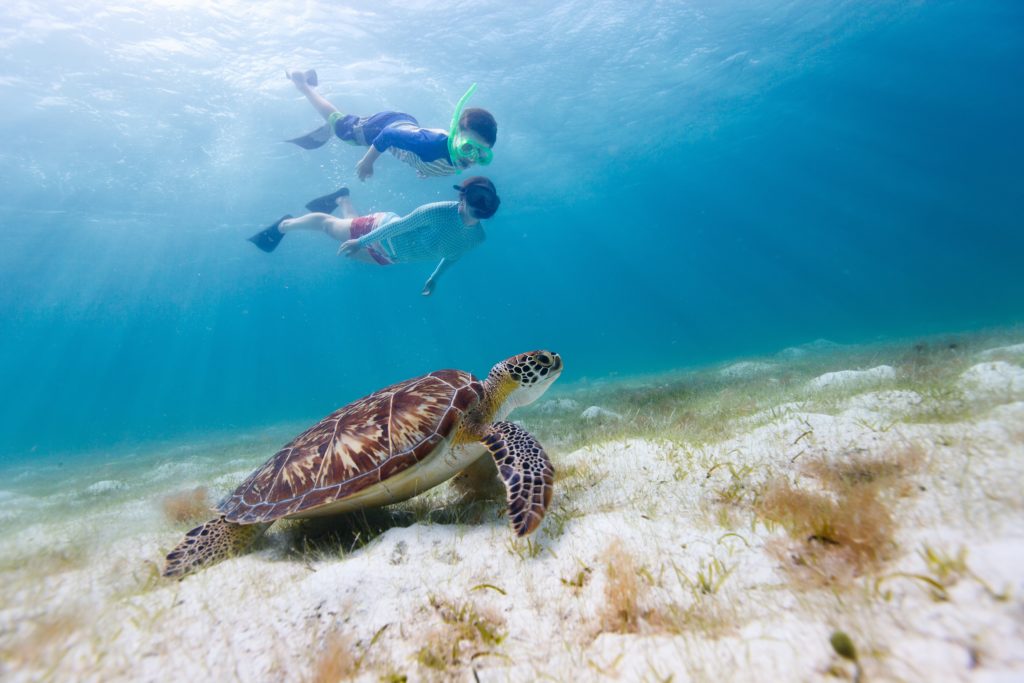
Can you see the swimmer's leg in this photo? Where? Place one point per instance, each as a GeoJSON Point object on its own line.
{"type": "Point", "coordinates": [338, 228]}
{"type": "Point", "coordinates": [320, 136]}
{"type": "Point", "coordinates": [319, 102]}
{"type": "Point", "coordinates": [329, 202]}
{"type": "Point", "coordinates": [268, 238]}
{"type": "Point", "coordinates": [347, 210]}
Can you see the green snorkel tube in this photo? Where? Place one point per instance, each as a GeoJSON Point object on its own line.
{"type": "Point", "coordinates": [461, 148]}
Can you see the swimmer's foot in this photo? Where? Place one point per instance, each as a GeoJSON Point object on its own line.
{"type": "Point", "coordinates": [268, 238]}
{"type": "Point", "coordinates": [300, 78]}
{"type": "Point", "coordinates": [328, 203]}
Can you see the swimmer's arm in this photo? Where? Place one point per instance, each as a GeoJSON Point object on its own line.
{"type": "Point", "coordinates": [444, 265]}
{"type": "Point", "coordinates": [364, 169]}
{"type": "Point", "coordinates": [426, 143]}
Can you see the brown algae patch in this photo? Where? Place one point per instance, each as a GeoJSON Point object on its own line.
{"type": "Point", "coordinates": [844, 525]}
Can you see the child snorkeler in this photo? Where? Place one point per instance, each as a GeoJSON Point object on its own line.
{"type": "Point", "coordinates": [431, 151]}
{"type": "Point", "coordinates": [442, 230]}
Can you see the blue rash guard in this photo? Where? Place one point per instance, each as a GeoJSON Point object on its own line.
{"type": "Point", "coordinates": [424, 149]}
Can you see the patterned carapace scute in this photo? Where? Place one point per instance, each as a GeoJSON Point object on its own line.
{"type": "Point", "coordinates": [356, 446]}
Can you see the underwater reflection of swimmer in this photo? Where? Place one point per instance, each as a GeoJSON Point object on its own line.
{"type": "Point", "coordinates": [431, 151]}
{"type": "Point", "coordinates": [441, 230]}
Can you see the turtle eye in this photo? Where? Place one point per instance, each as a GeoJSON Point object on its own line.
{"type": "Point", "coordinates": [544, 359]}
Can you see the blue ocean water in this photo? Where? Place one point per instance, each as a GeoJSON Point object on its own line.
{"type": "Point", "coordinates": [682, 183]}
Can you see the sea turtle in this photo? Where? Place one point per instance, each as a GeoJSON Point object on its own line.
{"type": "Point", "coordinates": [387, 447]}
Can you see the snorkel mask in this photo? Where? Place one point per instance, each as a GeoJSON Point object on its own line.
{"type": "Point", "coordinates": [462, 148]}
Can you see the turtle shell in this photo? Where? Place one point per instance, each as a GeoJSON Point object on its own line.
{"type": "Point", "coordinates": [357, 446]}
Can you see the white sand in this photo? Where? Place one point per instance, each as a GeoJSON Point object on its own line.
{"type": "Point", "coordinates": [1002, 351]}
{"type": "Point", "coordinates": [817, 346]}
{"type": "Point", "coordinates": [558, 405]}
{"type": "Point", "coordinates": [599, 413]}
{"type": "Point", "coordinates": [715, 597]}
{"type": "Point", "coordinates": [746, 368]}
{"type": "Point", "coordinates": [845, 379]}
{"type": "Point", "coordinates": [988, 381]}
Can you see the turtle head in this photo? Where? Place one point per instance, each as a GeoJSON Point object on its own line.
{"type": "Point", "coordinates": [521, 379]}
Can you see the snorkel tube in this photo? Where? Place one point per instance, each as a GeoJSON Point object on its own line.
{"type": "Point", "coordinates": [457, 144]}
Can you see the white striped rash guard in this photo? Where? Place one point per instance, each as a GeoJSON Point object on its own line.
{"type": "Point", "coordinates": [431, 232]}
{"type": "Point", "coordinates": [424, 169]}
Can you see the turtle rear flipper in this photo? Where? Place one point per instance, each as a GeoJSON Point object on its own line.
{"type": "Point", "coordinates": [527, 472]}
{"type": "Point", "coordinates": [210, 543]}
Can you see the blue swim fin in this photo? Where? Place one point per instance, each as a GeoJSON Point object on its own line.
{"type": "Point", "coordinates": [309, 75]}
{"type": "Point", "coordinates": [268, 238]}
{"type": "Point", "coordinates": [328, 203]}
{"type": "Point", "coordinates": [314, 139]}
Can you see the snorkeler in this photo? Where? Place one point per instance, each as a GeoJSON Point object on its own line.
{"type": "Point", "coordinates": [431, 151]}
{"type": "Point", "coordinates": [441, 230]}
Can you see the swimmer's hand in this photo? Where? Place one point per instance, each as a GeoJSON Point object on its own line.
{"type": "Point", "coordinates": [349, 247]}
{"type": "Point", "coordinates": [364, 169]}
{"type": "Point", "coordinates": [428, 288]}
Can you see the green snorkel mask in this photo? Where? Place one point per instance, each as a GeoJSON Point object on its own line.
{"type": "Point", "coordinates": [462, 148]}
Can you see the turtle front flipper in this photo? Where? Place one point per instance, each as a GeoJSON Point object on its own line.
{"type": "Point", "coordinates": [527, 472]}
{"type": "Point", "coordinates": [210, 543]}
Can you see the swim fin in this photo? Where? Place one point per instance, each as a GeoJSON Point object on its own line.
{"type": "Point", "coordinates": [328, 203]}
{"type": "Point", "coordinates": [314, 139]}
{"type": "Point", "coordinates": [269, 238]}
{"type": "Point", "coordinates": [309, 76]}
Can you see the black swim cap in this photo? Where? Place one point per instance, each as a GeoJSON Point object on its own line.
{"type": "Point", "coordinates": [480, 193]}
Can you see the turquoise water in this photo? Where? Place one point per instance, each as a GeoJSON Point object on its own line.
{"type": "Point", "coordinates": [682, 183]}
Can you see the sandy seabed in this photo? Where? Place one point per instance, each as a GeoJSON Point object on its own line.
{"type": "Point", "coordinates": [829, 513]}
